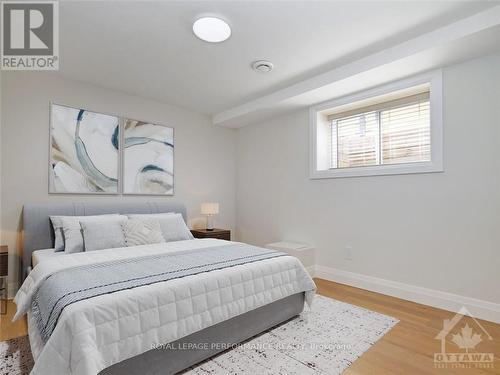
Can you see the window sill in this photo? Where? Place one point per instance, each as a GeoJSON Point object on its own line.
{"type": "Point", "coordinates": [378, 170]}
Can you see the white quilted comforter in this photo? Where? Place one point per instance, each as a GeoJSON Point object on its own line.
{"type": "Point", "coordinates": [98, 332]}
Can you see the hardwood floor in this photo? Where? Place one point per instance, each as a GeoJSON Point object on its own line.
{"type": "Point", "coordinates": [410, 346]}
{"type": "Point", "coordinates": [407, 349]}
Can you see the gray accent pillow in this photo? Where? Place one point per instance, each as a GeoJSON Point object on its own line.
{"type": "Point", "coordinates": [150, 216]}
{"type": "Point", "coordinates": [173, 228]}
{"type": "Point", "coordinates": [73, 239]}
{"type": "Point", "coordinates": [58, 232]}
{"type": "Point", "coordinates": [142, 232]}
{"type": "Point", "coordinates": [99, 234]}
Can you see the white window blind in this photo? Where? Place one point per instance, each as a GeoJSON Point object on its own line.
{"type": "Point", "coordinates": [393, 132]}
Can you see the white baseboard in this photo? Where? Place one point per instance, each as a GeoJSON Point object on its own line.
{"type": "Point", "coordinates": [447, 301]}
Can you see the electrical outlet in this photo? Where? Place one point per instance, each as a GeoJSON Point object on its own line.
{"type": "Point", "coordinates": [348, 252]}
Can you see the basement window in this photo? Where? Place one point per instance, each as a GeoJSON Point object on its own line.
{"type": "Point", "coordinates": [395, 129]}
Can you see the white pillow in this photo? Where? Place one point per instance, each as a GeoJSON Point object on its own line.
{"type": "Point", "coordinates": [142, 232]}
{"type": "Point", "coordinates": [173, 227]}
{"type": "Point", "coordinates": [59, 232]}
{"type": "Point", "coordinates": [73, 238]}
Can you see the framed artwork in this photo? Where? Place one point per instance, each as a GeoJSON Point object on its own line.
{"type": "Point", "coordinates": [148, 158]}
{"type": "Point", "coordinates": [95, 153]}
{"type": "Point", "coordinates": [84, 151]}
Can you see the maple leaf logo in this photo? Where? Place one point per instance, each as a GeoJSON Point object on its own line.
{"type": "Point", "coordinates": [466, 339]}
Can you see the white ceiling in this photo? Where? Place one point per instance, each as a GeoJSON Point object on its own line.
{"type": "Point", "coordinates": [147, 48]}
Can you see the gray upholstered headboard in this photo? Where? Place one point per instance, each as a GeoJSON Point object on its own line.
{"type": "Point", "coordinates": [37, 229]}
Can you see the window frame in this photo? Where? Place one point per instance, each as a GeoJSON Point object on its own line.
{"type": "Point", "coordinates": [434, 80]}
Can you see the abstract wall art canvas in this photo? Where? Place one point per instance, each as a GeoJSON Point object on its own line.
{"type": "Point", "coordinates": [84, 151]}
{"type": "Point", "coordinates": [148, 158]}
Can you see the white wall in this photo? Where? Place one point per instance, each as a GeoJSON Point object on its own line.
{"type": "Point", "coordinates": [1, 112]}
{"type": "Point", "coordinates": [204, 155]}
{"type": "Point", "coordinates": [439, 231]}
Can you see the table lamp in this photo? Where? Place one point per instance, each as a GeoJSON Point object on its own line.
{"type": "Point", "coordinates": [210, 209]}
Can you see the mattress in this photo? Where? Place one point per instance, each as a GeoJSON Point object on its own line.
{"type": "Point", "coordinates": [41, 255]}
{"type": "Point", "coordinates": [96, 333]}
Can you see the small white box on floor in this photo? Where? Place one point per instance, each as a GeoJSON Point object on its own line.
{"type": "Point", "coordinates": [304, 253]}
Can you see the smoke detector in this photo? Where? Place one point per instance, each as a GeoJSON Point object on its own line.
{"type": "Point", "coordinates": [262, 66]}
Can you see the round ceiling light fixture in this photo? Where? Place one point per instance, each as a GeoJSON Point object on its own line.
{"type": "Point", "coordinates": [262, 66]}
{"type": "Point", "coordinates": [211, 29]}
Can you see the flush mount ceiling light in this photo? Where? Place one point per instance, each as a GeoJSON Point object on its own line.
{"type": "Point", "coordinates": [211, 29]}
{"type": "Point", "coordinates": [262, 66]}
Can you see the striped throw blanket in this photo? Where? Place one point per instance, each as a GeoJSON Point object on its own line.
{"type": "Point", "coordinates": [82, 282]}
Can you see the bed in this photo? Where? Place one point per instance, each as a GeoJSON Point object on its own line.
{"type": "Point", "coordinates": [127, 331]}
{"type": "Point", "coordinates": [43, 255]}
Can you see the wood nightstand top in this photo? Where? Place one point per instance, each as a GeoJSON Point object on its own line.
{"type": "Point", "coordinates": [223, 234]}
{"type": "Point", "coordinates": [215, 230]}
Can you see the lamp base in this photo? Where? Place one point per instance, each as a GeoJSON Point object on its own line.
{"type": "Point", "coordinates": [209, 229]}
{"type": "Point", "coordinates": [210, 223]}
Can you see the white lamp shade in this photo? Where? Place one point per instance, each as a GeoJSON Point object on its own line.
{"type": "Point", "coordinates": [209, 208]}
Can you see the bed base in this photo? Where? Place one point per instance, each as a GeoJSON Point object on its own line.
{"type": "Point", "coordinates": [170, 360]}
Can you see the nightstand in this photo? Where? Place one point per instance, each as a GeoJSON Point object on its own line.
{"type": "Point", "coordinates": [4, 260]}
{"type": "Point", "coordinates": [221, 234]}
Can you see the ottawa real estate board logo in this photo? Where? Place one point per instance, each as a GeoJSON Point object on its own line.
{"type": "Point", "coordinates": [463, 340]}
{"type": "Point", "coordinates": [30, 35]}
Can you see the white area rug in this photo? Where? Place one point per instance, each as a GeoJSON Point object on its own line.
{"type": "Point", "coordinates": [324, 340]}
{"type": "Point", "coordinates": [15, 356]}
